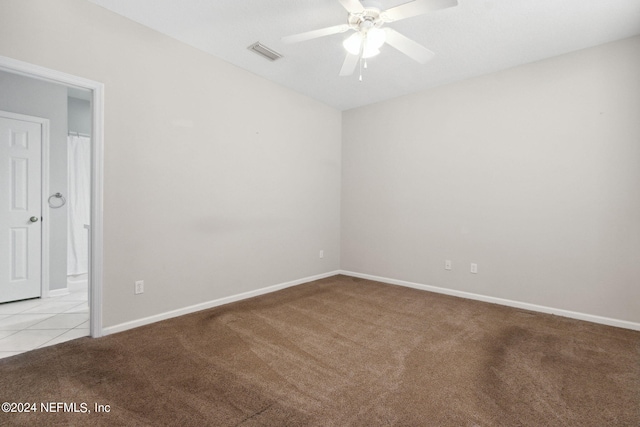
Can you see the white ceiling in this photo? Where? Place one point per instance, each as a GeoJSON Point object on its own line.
{"type": "Point", "coordinates": [474, 38]}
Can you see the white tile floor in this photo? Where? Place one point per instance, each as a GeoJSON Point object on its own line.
{"type": "Point", "coordinates": [30, 324]}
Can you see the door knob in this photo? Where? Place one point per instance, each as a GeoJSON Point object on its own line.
{"type": "Point", "coordinates": [33, 219]}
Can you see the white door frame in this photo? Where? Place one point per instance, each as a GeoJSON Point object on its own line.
{"type": "Point", "coordinates": [96, 266]}
{"type": "Point", "coordinates": [44, 190]}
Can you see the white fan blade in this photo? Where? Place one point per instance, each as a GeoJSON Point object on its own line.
{"type": "Point", "coordinates": [315, 34]}
{"type": "Point", "coordinates": [349, 64]}
{"type": "Point", "coordinates": [415, 8]}
{"type": "Point", "coordinates": [352, 6]}
{"type": "Point", "coordinates": [412, 49]}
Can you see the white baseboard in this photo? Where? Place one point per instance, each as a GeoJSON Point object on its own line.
{"type": "Point", "coordinates": [77, 282]}
{"type": "Point", "coordinates": [58, 292]}
{"type": "Point", "coordinates": [526, 306]}
{"type": "Point", "coordinates": [210, 304]}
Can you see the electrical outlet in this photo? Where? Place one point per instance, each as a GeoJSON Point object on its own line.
{"type": "Point", "coordinates": [321, 254]}
{"type": "Point", "coordinates": [447, 264]}
{"type": "Point", "coordinates": [139, 287]}
{"type": "Point", "coordinates": [474, 268]}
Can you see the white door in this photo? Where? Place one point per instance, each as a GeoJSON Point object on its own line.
{"type": "Point", "coordinates": [20, 208]}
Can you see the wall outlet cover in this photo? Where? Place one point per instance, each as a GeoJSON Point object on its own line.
{"type": "Point", "coordinates": [139, 288]}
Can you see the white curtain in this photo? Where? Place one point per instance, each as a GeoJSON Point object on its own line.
{"type": "Point", "coordinates": [78, 200]}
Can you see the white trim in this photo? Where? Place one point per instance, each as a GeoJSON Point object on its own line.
{"type": "Point", "coordinates": [46, 229]}
{"type": "Point", "coordinates": [210, 304]}
{"type": "Point", "coordinates": [97, 172]}
{"type": "Point", "coordinates": [44, 191]}
{"type": "Point", "coordinates": [501, 301]}
{"type": "Point", "coordinates": [96, 232]}
{"type": "Point", "coordinates": [58, 292]}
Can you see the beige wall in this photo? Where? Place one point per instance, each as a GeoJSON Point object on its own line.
{"type": "Point", "coordinates": [217, 182]}
{"type": "Point", "coordinates": [533, 173]}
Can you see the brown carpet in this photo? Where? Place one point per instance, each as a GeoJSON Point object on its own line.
{"type": "Point", "coordinates": [339, 352]}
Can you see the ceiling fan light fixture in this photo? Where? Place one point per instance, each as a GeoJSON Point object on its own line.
{"type": "Point", "coordinates": [376, 38]}
{"type": "Point", "coordinates": [372, 39]}
{"type": "Point", "coordinates": [353, 43]}
{"type": "Point", "coordinates": [370, 52]}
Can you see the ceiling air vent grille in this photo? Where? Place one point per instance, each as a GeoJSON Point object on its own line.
{"type": "Point", "coordinates": [264, 51]}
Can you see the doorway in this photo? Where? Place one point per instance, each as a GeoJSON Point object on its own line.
{"type": "Point", "coordinates": [91, 278]}
{"type": "Point", "coordinates": [23, 147]}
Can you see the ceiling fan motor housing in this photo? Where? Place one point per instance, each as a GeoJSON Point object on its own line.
{"type": "Point", "coordinates": [369, 18]}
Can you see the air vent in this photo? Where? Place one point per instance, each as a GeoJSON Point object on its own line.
{"type": "Point", "coordinates": [264, 51]}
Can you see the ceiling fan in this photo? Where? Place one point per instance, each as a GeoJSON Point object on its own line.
{"type": "Point", "coordinates": [367, 20]}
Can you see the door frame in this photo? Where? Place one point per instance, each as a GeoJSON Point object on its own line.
{"type": "Point", "coordinates": [96, 232]}
{"type": "Point", "coordinates": [44, 190]}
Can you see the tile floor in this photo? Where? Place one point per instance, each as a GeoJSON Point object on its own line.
{"type": "Point", "coordinates": [41, 322]}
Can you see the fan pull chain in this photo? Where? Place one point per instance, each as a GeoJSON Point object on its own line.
{"type": "Point", "coordinates": [362, 48]}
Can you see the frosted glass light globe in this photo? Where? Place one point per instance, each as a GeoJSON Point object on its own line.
{"type": "Point", "coordinates": [372, 39]}
{"type": "Point", "coordinates": [352, 43]}
{"type": "Point", "coordinates": [376, 38]}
